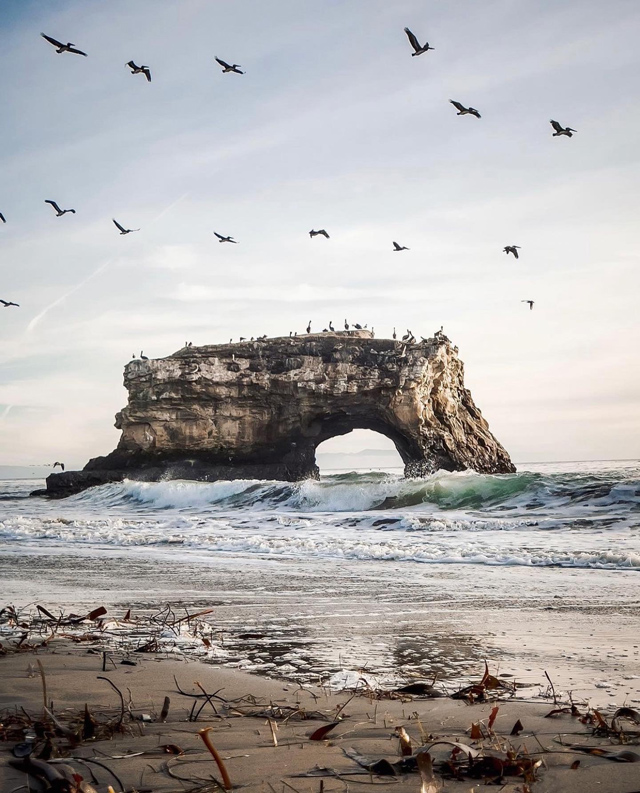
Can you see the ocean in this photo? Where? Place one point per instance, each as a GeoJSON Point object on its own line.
{"type": "Point", "coordinates": [356, 570]}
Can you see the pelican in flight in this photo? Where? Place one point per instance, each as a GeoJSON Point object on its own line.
{"type": "Point", "coordinates": [229, 67]}
{"type": "Point", "coordinates": [417, 47]}
{"type": "Point", "coordinates": [397, 247]}
{"type": "Point", "coordinates": [530, 302]}
{"type": "Point", "coordinates": [221, 238]}
{"type": "Point", "coordinates": [464, 111]}
{"type": "Point", "coordinates": [60, 47]}
{"type": "Point", "coordinates": [560, 130]}
{"type": "Point", "coordinates": [59, 212]}
{"type": "Point", "coordinates": [7, 303]}
{"type": "Point", "coordinates": [314, 233]}
{"type": "Point", "coordinates": [122, 229]}
{"type": "Point", "coordinates": [139, 70]}
{"type": "Point", "coordinates": [55, 465]}
{"type": "Point", "coordinates": [2, 218]}
{"type": "Point", "coordinates": [511, 249]}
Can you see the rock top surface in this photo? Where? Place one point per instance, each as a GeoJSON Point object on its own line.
{"type": "Point", "coordinates": [258, 410]}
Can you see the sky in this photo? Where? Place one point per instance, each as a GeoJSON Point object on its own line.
{"type": "Point", "coordinates": [334, 125]}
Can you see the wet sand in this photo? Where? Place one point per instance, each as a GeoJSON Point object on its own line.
{"type": "Point", "coordinates": [307, 620]}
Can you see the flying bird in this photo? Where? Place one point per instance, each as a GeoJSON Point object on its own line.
{"type": "Point", "coordinates": [122, 229]}
{"type": "Point", "coordinates": [7, 303]}
{"type": "Point", "coordinates": [221, 238]}
{"type": "Point", "coordinates": [60, 47]}
{"type": "Point", "coordinates": [314, 233]}
{"type": "Point", "coordinates": [560, 130]}
{"type": "Point", "coordinates": [139, 70]}
{"type": "Point", "coordinates": [464, 111]}
{"type": "Point", "coordinates": [2, 218]}
{"type": "Point", "coordinates": [55, 465]}
{"type": "Point", "coordinates": [59, 212]}
{"type": "Point", "coordinates": [417, 47]}
{"type": "Point", "coordinates": [511, 249]}
{"type": "Point", "coordinates": [228, 67]}
{"type": "Point", "coordinates": [397, 247]}
{"type": "Point", "coordinates": [530, 302]}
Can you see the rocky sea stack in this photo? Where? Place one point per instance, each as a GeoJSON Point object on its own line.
{"type": "Point", "coordinates": [258, 410]}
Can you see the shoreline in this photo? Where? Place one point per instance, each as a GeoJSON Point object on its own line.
{"type": "Point", "coordinates": [252, 709]}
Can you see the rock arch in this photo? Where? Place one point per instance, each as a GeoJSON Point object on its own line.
{"type": "Point", "coordinates": [259, 410]}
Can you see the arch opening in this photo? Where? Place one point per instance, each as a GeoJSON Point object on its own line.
{"type": "Point", "coordinates": [358, 450]}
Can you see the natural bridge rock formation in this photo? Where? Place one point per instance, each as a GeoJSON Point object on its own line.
{"type": "Point", "coordinates": [259, 409]}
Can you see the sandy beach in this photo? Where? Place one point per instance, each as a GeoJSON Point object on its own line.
{"type": "Point", "coordinates": [133, 748]}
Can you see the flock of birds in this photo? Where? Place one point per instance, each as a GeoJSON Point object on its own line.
{"type": "Point", "coordinates": [418, 49]}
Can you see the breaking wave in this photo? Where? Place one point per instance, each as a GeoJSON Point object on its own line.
{"type": "Point", "coordinates": [574, 519]}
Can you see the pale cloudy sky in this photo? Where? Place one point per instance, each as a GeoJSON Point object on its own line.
{"type": "Point", "coordinates": [333, 125]}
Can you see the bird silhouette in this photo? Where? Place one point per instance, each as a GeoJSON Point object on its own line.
{"type": "Point", "coordinates": [122, 229]}
{"type": "Point", "coordinates": [314, 233]}
{"type": "Point", "coordinates": [227, 67]}
{"type": "Point", "coordinates": [222, 238]}
{"type": "Point", "coordinates": [55, 465]}
{"type": "Point", "coordinates": [394, 335]}
{"type": "Point", "coordinates": [331, 328]}
{"type": "Point", "coordinates": [143, 357]}
{"type": "Point", "coordinates": [464, 111]}
{"type": "Point", "coordinates": [530, 302]}
{"type": "Point", "coordinates": [60, 47]}
{"type": "Point", "coordinates": [139, 70]}
{"type": "Point", "coordinates": [418, 49]}
{"type": "Point", "coordinates": [2, 218]}
{"type": "Point", "coordinates": [511, 249]}
{"type": "Point", "coordinates": [309, 327]}
{"type": "Point", "coordinates": [7, 303]}
{"type": "Point", "coordinates": [346, 325]}
{"type": "Point", "coordinates": [560, 130]}
{"type": "Point", "coordinates": [59, 212]}
{"type": "Point", "coordinates": [397, 247]}
{"type": "Point", "coordinates": [357, 326]}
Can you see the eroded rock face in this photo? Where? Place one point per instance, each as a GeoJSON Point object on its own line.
{"type": "Point", "coordinates": [259, 409]}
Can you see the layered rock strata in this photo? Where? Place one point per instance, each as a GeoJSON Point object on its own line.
{"type": "Point", "coordinates": [259, 409]}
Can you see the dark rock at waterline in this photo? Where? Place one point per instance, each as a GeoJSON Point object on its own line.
{"type": "Point", "coordinates": [259, 409]}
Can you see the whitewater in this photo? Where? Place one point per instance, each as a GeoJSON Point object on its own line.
{"type": "Point", "coordinates": [570, 515]}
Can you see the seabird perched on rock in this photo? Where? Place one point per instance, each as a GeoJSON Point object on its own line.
{"type": "Point", "coordinates": [511, 249]}
{"type": "Point", "coordinates": [325, 330]}
{"type": "Point", "coordinates": [357, 326]}
{"type": "Point", "coordinates": [59, 212]}
{"type": "Point", "coordinates": [560, 130]}
{"type": "Point", "coordinates": [417, 47]}
{"type": "Point", "coordinates": [346, 325]}
{"type": "Point", "coordinates": [394, 335]}
{"type": "Point", "coordinates": [122, 229]}
{"type": "Point", "coordinates": [331, 328]}
{"type": "Point", "coordinates": [143, 357]}
{"type": "Point", "coordinates": [309, 327]}
{"type": "Point", "coordinates": [530, 302]}
{"type": "Point", "coordinates": [7, 303]}
{"type": "Point", "coordinates": [60, 47]}
{"type": "Point", "coordinates": [2, 218]}
{"type": "Point", "coordinates": [56, 464]}
{"type": "Point", "coordinates": [407, 335]}
{"type": "Point", "coordinates": [314, 233]}
{"type": "Point", "coordinates": [397, 247]}
{"type": "Point", "coordinates": [139, 70]}
{"type": "Point", "coordinates": [464, 111]}
{"type": "Point", "coordinates": [228, 67]}
{"type": "Point", "coordinates": [222, 238]}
